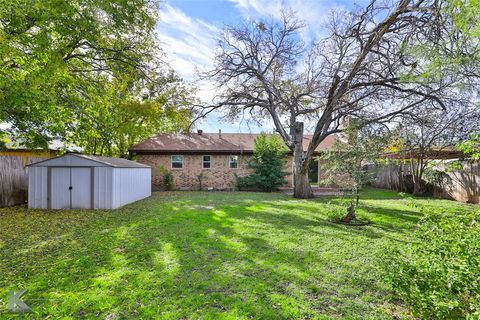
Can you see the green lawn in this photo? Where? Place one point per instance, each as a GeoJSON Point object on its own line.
{"type": "Point", "coordinates": [207, 255]}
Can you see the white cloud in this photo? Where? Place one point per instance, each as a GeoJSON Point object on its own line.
{"type": "Point", "coordinates": [314, 13]}
{"type": "Point", "coordinates": [189, 45]}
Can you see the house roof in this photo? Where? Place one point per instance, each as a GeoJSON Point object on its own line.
{"type": "Point", "coordinates": [210, 142]}
{"type": "Point", "coordinates": [106, 161]}
{"type": "Point", "coordinates": [54, 145]}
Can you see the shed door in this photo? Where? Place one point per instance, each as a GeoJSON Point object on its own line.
{"type": "Point", "coordinates": [81, 188]}
{"type": "Point", "coordinates": [59, 192]}
{"type": "Point", "coordinates": [71, 188]}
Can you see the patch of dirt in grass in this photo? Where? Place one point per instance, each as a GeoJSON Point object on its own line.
{"type": "Point", "coordinates": [354, 223]}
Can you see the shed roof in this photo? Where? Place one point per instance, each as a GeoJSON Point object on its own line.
{"type": "Point", "coordinates": [106, 161]}
{"type": "Point", "coordinates": [211, 142]}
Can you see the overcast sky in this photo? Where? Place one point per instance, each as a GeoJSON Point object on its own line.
{"type": "Point", "coordinates": [188, 29]}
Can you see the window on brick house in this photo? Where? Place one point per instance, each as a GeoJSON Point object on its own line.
{"type": "Point", "coordinates": [177, 162]}
{"type": "Point", "coordinates": [207, 162]}
{"type": "Point", "coordinates": [233, 162]}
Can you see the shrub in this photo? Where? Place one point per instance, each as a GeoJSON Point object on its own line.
{"type": "Point", "coordinates": [167, 178]}
{"type": "Point", "coordinates": [200, 181]}
{"type": "Point", "coordinates": [268, 165]}
{"type": "Point", "coordinates": [439, 273]}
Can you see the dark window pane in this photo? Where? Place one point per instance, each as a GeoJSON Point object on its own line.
{"type": "Point", "coordinates": [177, 161]}
{"type": "Point", "coordinates": [233, 162]}
{"type": "Point", "coordinates": [206, 162]}
{"type": "Point", "coordinates": [177, 165]}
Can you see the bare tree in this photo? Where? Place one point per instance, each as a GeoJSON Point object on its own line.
{"type": "Point", "coordinates": [428, 133]}
{"type": "Point", "coordinates": [362, 69]}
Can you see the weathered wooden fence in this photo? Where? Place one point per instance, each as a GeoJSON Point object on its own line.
{"type": "Point", "coordinates": [459, 184]}
{"type": "Point", "coordinates": [13, 179]}
{"type": "Point", "coordinates": [462, 185]}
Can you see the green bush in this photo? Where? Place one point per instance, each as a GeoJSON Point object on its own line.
{"type": "Point", "coordinates": [167, 178]}
{"type": "Point", "coordinates": [268, 165]}
{"type": "Point", "coordinates": [439, 273]}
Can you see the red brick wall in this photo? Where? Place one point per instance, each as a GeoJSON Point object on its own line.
{"type": "Point", "coordinates": [219, 176]}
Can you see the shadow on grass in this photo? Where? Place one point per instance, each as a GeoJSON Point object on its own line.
{"type": "Point", "coordinates": [183, 255]}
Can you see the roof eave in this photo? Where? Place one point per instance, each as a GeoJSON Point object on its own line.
{"type": "Point", "coordinates": [156, 151]}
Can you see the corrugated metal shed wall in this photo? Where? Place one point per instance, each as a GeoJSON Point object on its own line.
{"type": "Point", "coordinates": [102, 193]}
{"type": "Point", "coordinates": [113, 187]}
{"type": "Point", "coordinates": [37, 187]}
{"type": "Point", "coordinates": [130, 184]}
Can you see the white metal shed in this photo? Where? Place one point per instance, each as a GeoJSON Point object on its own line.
{"type": "Point", "coordinates": [77, 181]}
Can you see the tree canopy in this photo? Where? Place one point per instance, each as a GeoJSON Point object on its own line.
{"type": "Point", "coordinates": [60, 62]}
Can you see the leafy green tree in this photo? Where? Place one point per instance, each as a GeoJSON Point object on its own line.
{"type": "Point", "coordinates": [463, 56]}
{"type": "Point", "coordinates": [121, 117]}
{"type": "Point", "coordinates": [3, 139]}
{"type": "Point", "coordinates": [268, 164]}
{"type": "Point", "coordinates": [56, 54]}
{"type": "Point", "coordinates": [471, 147]}
{"type": "Point", "coordinates": [346, 161]}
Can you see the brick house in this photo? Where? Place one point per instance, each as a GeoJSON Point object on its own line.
{"type": "Point", "coordinates": [212, 158]}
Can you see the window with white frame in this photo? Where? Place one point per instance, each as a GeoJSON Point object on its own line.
{"type": "Point", "coordinates": [177, 162]}
{"type": "Point", "coordinates": [207, 162]}
{"type": "Point", "coordinates": [233, 162]}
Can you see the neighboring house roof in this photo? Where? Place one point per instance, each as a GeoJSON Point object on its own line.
{"type": "Point", "coordinates": [210, 142]}
{"type": "Point", "coordinates": [110, 162]}
{"type": "Point", "coordinates": [54, 145]}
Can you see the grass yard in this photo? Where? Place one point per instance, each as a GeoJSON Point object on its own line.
{"type": "Point", "coordinates": [209, 256]}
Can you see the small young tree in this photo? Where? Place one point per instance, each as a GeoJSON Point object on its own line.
{"type": "Point", "coordinates": [346, 161]}
{"type": "Point", "coordinates": [268, 164]}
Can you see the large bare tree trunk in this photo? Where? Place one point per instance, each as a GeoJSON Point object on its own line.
{"type": "Point", "coordinates": [301, 183]}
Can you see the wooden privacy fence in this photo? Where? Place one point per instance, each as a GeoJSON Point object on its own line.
{"type": "Point", "coordinates": [459, 184]}
{"type": "Point", "coordinates": [13, 179]}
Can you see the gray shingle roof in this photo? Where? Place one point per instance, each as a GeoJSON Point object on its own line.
{"type": "Point", "coordinates": [114, 162]}
{"type": "Point", "coordinates": [211, 142]}
{"type": "Point", "coordinates": [111, 162]}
